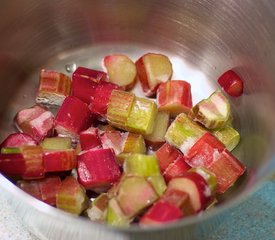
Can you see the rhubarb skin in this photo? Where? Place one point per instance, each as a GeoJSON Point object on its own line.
{"type": "Point", "coordinates": [56, 143]}
{"type": "Point", "coordinates": [119, 107]}
{"type": "Point", "coordinates": [99, 103]}
{"type": "Point", "coordinates": [85, 81]}
{"type": "Point", "coordinates": [153, 69]}
{"type": "Point", "coordinates": [161, 213]}
{"type": "Point", "coordinates": [183, 133]}
{"type": "Point", "coordinates": [89, 139]}
{"type": "Point", "coordinates": [16, 140]}
{"type": "Point", "coordinates": [97, 169]}
{"type": "Point", "coordinates": [231, 83]}
{"type": "Point", "coordinates": [135, 194]}
{"type": "Point", "coordinates": [36, 122]}
{"type": "Point", "coordinates": [142, 116]}
{"type": "Point", "coordinates": [174, 97]}
{"type": "Point", "coordinates": [12, 164]}
{"type": "Point", "coordinates": [59, 160]}
{"type": "Point", "coordinates": [53, 88]}
{"type": "Point", "coordinates": [71, 196]}
{"type": "Point", "coordinates": [73, 117]}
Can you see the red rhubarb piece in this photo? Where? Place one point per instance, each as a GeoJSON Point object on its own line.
{"type": "Point", "coordinates": [231, 83]}
{"type": "Point", "coordinates": [17, 140]}
{"type": "Point", "coordinates": [101, 98]}
{"type": "Point", "coordinates": [89, 139]}
{"type": "Point", "coordinates": [161, 213]}
{"type": "Point", "coordinates": [114, 140]}
{"type": "Point", "coordinates": [73, 117]}
{"type": "Point", "coordinates": [85, 81]}
{"type": "Point", "coordinates": [12, 164]}
{"type": "Point", "coordinates": [174, 97]}
{"type": "Point", "coordinates": [58, 161]}
{"type": "Point", "coordinates": [35, 121]}
{"type": "Point", "coordinates": [97, 169]}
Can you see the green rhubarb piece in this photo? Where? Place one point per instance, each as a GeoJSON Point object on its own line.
{"type": "Point", "coordinates": [141, 165]}
{"type": "Point", "coordinates": [7, 150]}
{"type": "Point", "coordinates": [56, 143]}
{"type": "Point", "coordinates": [160, 128]}
{"type": "Point", "coordinates": [183, 133]}
{"type": "Point", "coordinates": [212, 112]}
{"type": "Point", "coordinates": [115, 215]}
{"type": "Point", "coordinates": [134, 144]}
{"type": "Point", "coordinates": [158, 183]}
{"type": "Point", "coordinates": [119, 108]}
{"type": "Point", "coordinates": [228, 136]}
{"type": "Point", "coordinates": [142, 116]}
{"type": "Point", "coordinates": [97, 210]}
{"type": "Point", "coordinates": [135, 194]}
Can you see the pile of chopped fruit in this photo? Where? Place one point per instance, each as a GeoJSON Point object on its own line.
{"type": "Point", "coordinates": [144, 160]}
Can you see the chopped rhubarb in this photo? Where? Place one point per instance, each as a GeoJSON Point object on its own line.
{"type": "Point", "coordinates": [99, 103]}
{"type": "Point", "coordinates": [134, 143]}
{"type": "Point", "coordinates": [12, 164]}
{"type": "Point", "coordinates": [17, 140]}
{"type": "Point", "coordinates": [183, 133]}
{"type": "Point", "coordinates": [158, 183]}
{"type": "Point", "coordinates": [119, 108]}
{"type": "Point", "coordinates": [153, 69]}
{"type": "Point", "coordinates": [89, 139]}
{"type": "Point", "coordinates": [174, 97]}
{"type": "Point", "coordinates": [30, 187]}
{"type": "Point", "coordinates": [73, 117]}
{"type": "Point", "coordinates": [161, 213]}
{"type": "Point", "coordinates": [142, 116]}
{"type": "Point", "coordinates": [53, 88]}
{"type": "Point", "coordinates": [71, 196]}
{"type": "Point", "coordinates": [97, 210]}
{"type": "Point", "coordinates": [121, 70]}
{"type": "Point", "coordinates": [231, 83]}
{"type": "Point", "coordinates": [135, 194]}
{"type": "Point", "coordinates": [56, 143]}
{"type": "Point", "coordinates": [114, 140]}
{"type": "Point", "coordinates": [97, 169]}
{"type": "Point", "coordinates": [213, 112]}
{"type": "Point", "coordinates": [36, 122]}
{"type": "Point", "coordinates": [59, 160]}
{"type": "Point", "coordinates": [85, 81]}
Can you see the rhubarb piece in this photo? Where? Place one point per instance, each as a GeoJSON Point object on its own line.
{"type": "Point", "coordinates": [119, 108]}
{"type": "Point", "coordinates": [36, 122]}
{"type": "Point", "coordinates": [166, 155]}
{"type": "Point", "coordinates": [142, 116]}
{"type": "Point", "coordinates": [183, 133]}
{"type": "Point", "coordinates": [44, 189]}
{"type": "Point", "coordinates": [16, 140]}
{"type": "Point", "coordinates": [56, 143]}
{"type": "Point", "coordinates": [115, 215]}
{"type": "Point", "coordinates": [121, 70]}
{"type": "Point", "coordinates": [71, 196]}
{"type": "Point", "coordinates": [114, 140]}
{"type": "Point", "coordinates": [99, 103]}
{"type": "Point", "coordinates": [12, 164]}
{"type": "Point", "coordinates": [153, 69]}
{"type": "Point", "coordinates": [8, 150]}
{"type": "Point", "coordinates": [97, 211]}
{"type": "Point", "coordinates": [212, 112]}
{"type": "Point", "coordinates": [54, 87]}
{"type": "Point", "coordinates": [33, 157]}
{"type": "Point", "coordinates": [73, 117]}
{"type": "Point", "coordinates": [160, 128]}
{"type": "Point", "coordinates": [161, 213]}
{"type": "Point", "coordinates": [134, 143]}
{"type": "Point", "coordinates": [59, 160]}
{"type": "Point", "coordinates": [195, 186]}
{"type": "Point", "coordinates": [97, 169]}
{"type": "Point", "coordinates": [135, 194]}
{"type": "Point", "coordinates": [174, 97]}
{"type": "Point", "coordinates": [231, 83]}
{"type": "Point", "coordinates": [227, 169]}
{"type": "Point", "coordinates": [158, 183]}
{"type": "Point", "coordinates": [176, 169]}
{"type": "Point", "coordinates": [228, 136]}
{"type": "Point", "coordinates": [122, 157]}
{"type": "Point", "coordinates": [84, 83]}
{"type": "Point", "coordinates": [89, 139]}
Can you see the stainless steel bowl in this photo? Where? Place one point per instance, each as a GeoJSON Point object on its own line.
{"type": "Point", "coordinates": [203, 38]}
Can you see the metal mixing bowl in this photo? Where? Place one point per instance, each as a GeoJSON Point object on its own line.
{"type": "Point", "coordinates": [203, 38]}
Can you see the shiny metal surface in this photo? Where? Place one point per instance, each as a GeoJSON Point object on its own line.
{"type": "Point", "coordinates": [204, 38]}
